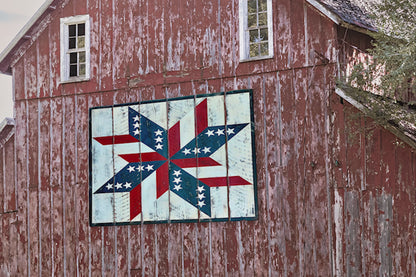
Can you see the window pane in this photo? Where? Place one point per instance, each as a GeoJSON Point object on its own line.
{"type": "Point", "coordinates": [262, 19]}
{"type": "Point", "coordinates": [254, 50]}
{"type": "Point", "coordinates": [73, 70]}
{"type": "Point", "coordinates": [72, 42]}
{"type": "Point", "coordinates": [81, 42]}
{"type": "Point", "coordinates": [264, 49]}
{"type": "Point", "coordinates": [252, 6]}
{"type": "Point", "coordinates": [81, 29]}
{"type": "Point", "coordinates": [262, 5]}
{"type": "Point", "coordinates": [82, 70]}
{"type": "Point", "coordinates": [254, 35]}
{"type": "Point", "coordinates": [72, 30]}
{"type": "Point", "coordinates": [73, 58]}
{"type": "Point", "coordinates": [82, 57]}
{"type": "Point", "coordinates": [252, 20]}
{"type": "Point", "coordinates": [264, 34]}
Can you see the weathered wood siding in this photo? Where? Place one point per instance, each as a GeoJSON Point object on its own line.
{"type": "Point", "coordinates": [331, 201]}
{"type": "Point", "coordinates": [8, 193]}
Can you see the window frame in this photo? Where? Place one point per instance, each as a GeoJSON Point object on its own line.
{"type": "Point", "coordinates": [65, 51]}
{"type": "Point", "coordinates": [245, 34]}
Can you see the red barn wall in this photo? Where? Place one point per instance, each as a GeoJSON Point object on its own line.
{"type": "Point", "coordinates": [316, 216]}
{"type": "Point", "coordinates": [8, 194]}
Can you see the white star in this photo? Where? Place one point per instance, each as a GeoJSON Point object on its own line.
{"type": "Point", "coordinates": [140, 168]}
{"type": "Point", "coordinates": [109, 186]}
{"type": "Point", "coordinates": [220, 132]}
{"type": "Point", "coordinates": [186, 151]}
{"type": "Point", "coordinates": [136, 118]}
{"type": "Point", "coordinates": [119, 186]}
{"type": "Point", "coordinates": [201, 204]}
{"type": "Point", "coordinates": [158, 133]}
{"type": "Point", "coordinates": [136, 132]}
{"type": "Point", "coordinates": [127, 185]}
{"type": "Point", "coordinates": [177, 187]}
{"type": "Point", "coordinates": [200, 189]}
{"type": "Point", "coordinates": [159, 146]}
{"type": "Point", "coordinates": [201, 196]}
{"type": "Point", "coordinates": [130, 169]}
{"type": "Point", "coordinates": [177, 180]}
{"type": "Point", "coordinates": [136, 125]}
{"type": "Point", "coordinates": [196, 150]}
{"type": "Point", "coordinates": [177, 173]}
{"type": "Point", "coordinates": [230, 131]}
{"type": "Point", "coordinates": [206, 149]}
{"type": "Point", "coordinates": [210, 133]}
{"type": "Point", "coordinates": [158, 139]}
{"type": "Point", "coordinates": [149, 167]}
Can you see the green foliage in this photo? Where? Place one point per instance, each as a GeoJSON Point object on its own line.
{"type": "Point", "coordinates": [392, 68]}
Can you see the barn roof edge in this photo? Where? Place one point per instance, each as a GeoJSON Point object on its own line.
{"type": "Point", "coordinates": [389, 113]}
{"type": "Point", "coordinates": [7, 53]}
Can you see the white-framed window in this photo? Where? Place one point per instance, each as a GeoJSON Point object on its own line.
{"type": "Point", "coordinates": [256, 29]}
{"type": "Point", "coordinates": [75, 48]}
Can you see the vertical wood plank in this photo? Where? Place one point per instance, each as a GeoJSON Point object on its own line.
{"type": "Point", "coordinates": [95, 242]}
{"type": "Point", "coordinates": [54, 55]}
{"type": "Point", "coordinates": [106, 44]}
{"type": "Point", "coordinates": [30, 72]}
{"type": "Point", "coordinates": [69, 184]}
{"type": "Point", "coordinates": [43, 64]}
{"type": "Point", "coordinates": [259, 265]}
{"type": "Point", "coordinates": [10, 193]}
{"type": "Point", "coordinates": [228, 32]}
{"type": "Point", "coordinates": [175, 248]}
{"type": "Point", "coordinates": [45, 209]}
{"type": "Point", "coordinates": [82, 181]}
{"type": "Point", "coordinates": [302, 140]}
{"type": "Point", "coordinates": [108, 233]}
{"type": "Point", "coordinates": [288, 175]}
{"type": "Point", "coordinates": [122, 232]}
{"type": "Point", "coordinates": [18, 80]}
{"type": "Point", "coordinates": [33, 185]}
{"type": "Point", "coordinates": [273, 117]}
{"type": "Point", "coordinates": [56, 157]}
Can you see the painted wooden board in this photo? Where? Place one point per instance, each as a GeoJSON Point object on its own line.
{"type": "Point", "coordinates": [182, 159]}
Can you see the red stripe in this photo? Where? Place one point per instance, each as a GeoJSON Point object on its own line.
{"type": "Point", "coordinates": [116, 139]}
{"type": "Point", "coordinates": [162, 180]}
{"type": "Point", "coordinates": [174, 139]}
{"type": "Point", "coordinates": [201, 117]}
{"type": "Point", "coordinates": [200, 162]}
{"type": "Point", "coordinates": [222, 181]}
{"type": "Point", "coordinates": [135, 202]}
{"type": "Point", "coordinates": [144, 157]}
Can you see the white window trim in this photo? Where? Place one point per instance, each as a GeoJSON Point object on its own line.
{"type": "Point", "coordinates": [244, 33]}
{"type": "Point", "coordinates": [64, 48]}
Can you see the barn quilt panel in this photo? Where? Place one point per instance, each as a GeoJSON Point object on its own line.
{"type": "Point", "coordinates": [184, 159]}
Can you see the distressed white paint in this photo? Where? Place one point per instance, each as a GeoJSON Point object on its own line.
{"type": "Point", "coordinates": [157, 112]}
{"type": "Point", "coordinates": [240, 155]}
{"type": "Point", "coordinates": [122, 207]}
{"type": "Point", "coordinates": [102, 208]}
{"type": "Point", "coordinates": [241, 201]}
{"type": "Point", "coordinates": [180, 209]}
{"type": "Point", "coordinates": [121, 120]}
{"type": "Point", "coordinates": [177, 109]}
{"type": "Point", "coordinates": [216, 111]}
{"type": "Point", "coordinates": [101, 122]}
{"type": "Point", "coordinates": [237, 106]}
{"type": "Point", "coordinates": [219, 202]}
